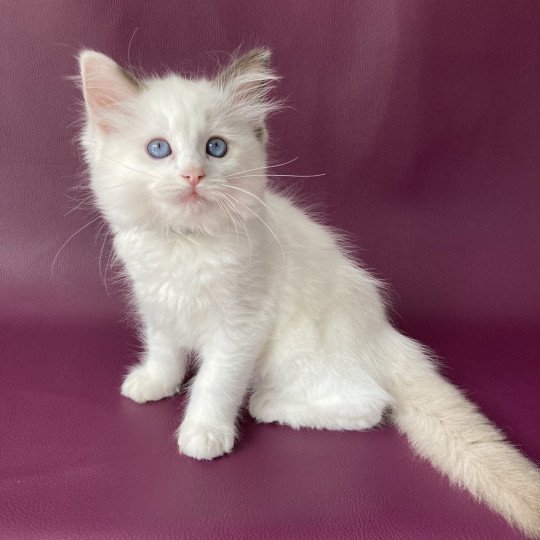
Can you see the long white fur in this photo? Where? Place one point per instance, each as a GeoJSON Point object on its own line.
{"type": "Point", "coordinates": [265, 295]}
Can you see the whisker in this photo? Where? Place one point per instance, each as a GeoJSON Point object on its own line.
{"type": "Point", "coordinates": [265, 167]}
{"type": "Point", "coordinates": [260, 200]}
{"type": "Point", "coordinates": [118, 186]}
{"type": "Point", "coordinates": [108, 264]}
{"type": "Point", "coordinates": [179, 233]}
{"type": "Point", "coordinates": [102, 274]}
{"type": "Point", "coordinates": [265, 224]}
{"type": "Point", "coordinates": [69, 239]}
{"type": "Point", "coordinates": [241, 222]}
{"type": "Point", "coordinates": [224, 202]}
{"type": "Point", "coordinates": [80, 204]}
{"type": "Point", "coordinates": [285, 175]}
{"type": "Point", "coordinates": [131, 168]}
{"type": "Point", "coordinates": [224, 216]}
{"type": "Point", "coordinates": [78, 187]}
{"type": "Point", "coordinates": [162, 229]}
{"type": "Point", "coordinates": [129, 46]}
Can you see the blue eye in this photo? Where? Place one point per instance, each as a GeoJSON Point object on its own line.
{"type": "Point", "coordinates": [216, 147]}
{"type": "Point", "coordinates": [159, 148]}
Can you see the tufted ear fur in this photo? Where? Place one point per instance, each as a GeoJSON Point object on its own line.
{"type": "Point", "coordinates": [248, 80]}
{"type": "Point", "coordinates": [107, 88]}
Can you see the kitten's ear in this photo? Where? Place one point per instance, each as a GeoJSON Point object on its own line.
{"type": "Point", "coordinates": [106, 87]}
{"type": "Point", "coordinates": [248, 79]}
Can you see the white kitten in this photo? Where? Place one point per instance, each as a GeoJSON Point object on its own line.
{"type": "Point", "coordinates": [223, 266]}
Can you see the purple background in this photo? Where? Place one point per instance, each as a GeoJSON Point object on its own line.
{"type": "Point", "coordinates": [424, 117]}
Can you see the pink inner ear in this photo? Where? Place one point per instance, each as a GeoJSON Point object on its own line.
{"type": "Point", "coordinates": [100, 101]}
{"type": "Point", "coordinates": [105, 86]}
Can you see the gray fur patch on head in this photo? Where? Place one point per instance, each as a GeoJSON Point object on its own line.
{"type": "Point", "coordinates": [260, 133]}
{"type": "Point", "coordinates": [247, 82]}
{"type": "Point", "coordinates": [131, 78]}
{"type": "Point", "coordinates": [256, 60]}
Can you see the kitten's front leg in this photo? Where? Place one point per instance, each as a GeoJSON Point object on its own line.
{"type": "Point", "coordinates": [160, 372]}
{"type": "Point", "coordinates": [208, 429]}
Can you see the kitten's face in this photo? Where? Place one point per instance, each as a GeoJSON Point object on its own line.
{"type": "Point", "coordinates": [173, 153]}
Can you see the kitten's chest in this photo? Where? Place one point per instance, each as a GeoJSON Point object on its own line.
{"type": "Point", "coordinates": [178, 286]}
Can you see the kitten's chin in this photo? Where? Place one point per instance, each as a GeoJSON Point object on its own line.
{"type": "Point", "coordinates": [186, 206]}
{"type": "Point", "coordinates": [186, 200]}
{"type": "Point", "coordinates": [193, 215]}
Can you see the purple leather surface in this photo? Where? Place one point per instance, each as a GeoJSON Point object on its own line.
{"type": "Point", "coordinates": [425, 118]}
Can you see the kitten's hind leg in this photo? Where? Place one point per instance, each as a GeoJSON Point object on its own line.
{"type": "Point", "coordinates": [343, 409]}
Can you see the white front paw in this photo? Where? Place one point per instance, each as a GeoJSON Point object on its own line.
{"type": "Point", "coordinates": [204, 441]}
{"type": "Point", "coordinates": [142, 385]}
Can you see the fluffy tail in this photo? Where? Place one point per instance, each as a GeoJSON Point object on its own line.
{"type": "Point", "coordinates": [449, 431]}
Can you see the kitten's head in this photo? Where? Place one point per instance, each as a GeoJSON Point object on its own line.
{"type": "Point", "coordinates": [174, 153]}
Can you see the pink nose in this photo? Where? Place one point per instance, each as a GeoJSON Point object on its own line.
{"type": "Point", "coordinates": [193, 175]}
